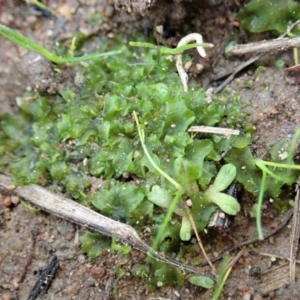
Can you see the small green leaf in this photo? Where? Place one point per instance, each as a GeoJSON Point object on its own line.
{"type": "Point", "coordinates": [186, 228]}
{"type": "Point", "coordinates": [117, 247]}
{"type": "Point", "coordinates": [170, 237]}
{"type": "Point", "coordinates": [94, 244]}
{"type": "Point", "coordinates": [25, 170]}
{"type": "Point", "coordinates": [259, 16]}
{"type": "Point", "coordinates": [31, 208]}
{"type": "Point", "coordinates": [165, 274]}
{"type": "Point", "coordinates": [225, 177]}
{"type": "Point", "coordinates": [190, 167]}
{"type": "Point", "coordinates": [59, 170]}
{"type": "Point", "coordinates": [227, 203]}
{"type": "Point", "coordinates": [120, 272]}
{"type": "Point", "coordinates": [121, 202]}
{"type": "Point", "coordinates": [247, 173]}
{"type": "Point", "coordinates": [140, 270]}
{"type": "Point", "coordinates": [202, 281]}
{"type": "Point", "coordinates": [240, 141]}
{"type": "Point", "coordinates": [159, 196]}
{"type": "Point", "coordinates": [76, 184]}
{"type": "Point", "coordinates": [228, 48]}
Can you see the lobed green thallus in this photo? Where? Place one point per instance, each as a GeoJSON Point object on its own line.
{"type": "Point", "coordinates": [271, 15]}
{"type": "Point", "coordinates": [71, 138]}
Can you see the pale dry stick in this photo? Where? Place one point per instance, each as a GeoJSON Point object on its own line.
{"type": "Point", "coordinates": [192, 37]}
{"type": "Point", "coordinates": [255, 240]}
{"type": "Point", "coordinates": [277, 256]}
{"type": "Point", "coordinates": [248, 62]}
{"type": "Point", "coordinates": [236, 258]}
{"type": "Point", "coordinates": [76, 213]}
{"type": "Point", "coordinates": [242, 66]}
{"type": "Point", "coordinates": [295, 235]}
{"type": "Point", "coordinates": [263, 46]}
{"type": "Point", "coordinates": [227, 273]}
{"type": "Point", "coordinates": [199, 240]}
{"type": "Point", "coordinates": [214, 130]}
{"type": "Point", "coordinates": [274, 269]}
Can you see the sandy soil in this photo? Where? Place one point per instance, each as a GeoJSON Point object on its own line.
{"type": "Point", "coordinates": [28, 240]}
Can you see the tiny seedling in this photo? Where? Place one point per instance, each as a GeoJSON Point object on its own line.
{"type": "Point", "coordinates": [263, 166]}
{"type": "Point", "coordinates": [226, 202]}
{"type": "Point", "coordinates": [117, 247]}
{"type": "Point", "coordinates": [224, 271]}
{"type": "Point", "coordinates": [182, 46]}
{"type": "Point", "coordinates": [32, 46]}
{"type": "Point", "coordinates": [29, 207]}
{"type": "Point", "coordinates": [179, 193]}
{"type": "Point", "coordinates": [167, 50]}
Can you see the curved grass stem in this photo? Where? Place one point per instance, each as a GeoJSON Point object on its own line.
{"type": "Point", "coordinates": [33, 46]}
{"type": "Point", "coordinates": [262, 165]}
{"type": "Point", "coordinates": [167, 50]}
{"type": "Point", "coordinates": [279, 165]}
{"type": "Point", "coordinates": [293, 147]}
{"type": "Point", "coordinates": [156, 167]}
{"type": "Point", "coordinates": [167, 219]}
{"type": "Point", "coordinates": [224, 272]}
{"type": "Point", "coordinates": [259, 206]}
{"type": "Point", "coordinates": [179, 193]}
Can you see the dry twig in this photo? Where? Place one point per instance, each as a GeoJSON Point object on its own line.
{"type": "Point", "coordinates": [252, 59]}
{"type": "Point", "coordinates": [199, 240]}
{"type": "Point", "coordinates": [215, 130]}
{"type": "Point", "coordinates": [74, 212]}
{"type": "Point", "coordinates": [242, 66]}
{"type": "Point", "coordinates": [236, 258]}
{"type": "Point", "coordinates": [277, 256]}
{"type": "Point", "coordinates": [263, 46]}
{"type": "Point", "coordinates": [255, 240]}
{"type": "Point", "coordinates": [295, 235]}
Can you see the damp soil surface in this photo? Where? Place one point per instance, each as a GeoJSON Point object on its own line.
{"type": "Point", "coordinates": [270, 97]}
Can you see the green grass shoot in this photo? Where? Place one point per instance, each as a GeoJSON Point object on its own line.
{"type": "Point", "coordinates": [24, 42]}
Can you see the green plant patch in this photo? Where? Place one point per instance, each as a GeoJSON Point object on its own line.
{"type": "Point", "coordinates": [93, 244]}
{"type": "Point", "coordinates": [249, 172]}
{"type": "Point", "coordinates": [201, 281]}
{"type": "Point", "coordinates": [274, 15]}
{"type": "Point", "coordinates": [162, 274]}
{"type": "Point", "coordinates": [89, 131]}
{"type": "Point", "coordinates": [123, 202]}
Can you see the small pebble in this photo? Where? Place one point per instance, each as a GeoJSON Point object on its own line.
{"type": "Point", "coordinates": [199, 68]}
{"type": "Point", "coordinates": [109, 11]}
{"type": "Point", "coordinates": [15, 200]}
{"type": "Point", "coordinates": [247, 296]}
{"type": "Point", "coordinates": [176, 293]}
{"type": "Point", "coordinates": [243, 288]}
{"type": "Point", "coordinates": [189, 202]}
{"type": "Point", "coordinates": [5, 297]}
{"type": "Point", "coordinates": [32, 20]}
{"type": "Point", "coordinates": [188, 65]}
{"type": "Point", "coordinates": [98, 272]}
{"type": "Point", "coordinates": [159, 29]}
{"type": "Point", "coordinates": [81, 258]}
{"type": "Point", "coordinates": [257, 296]}
{"type": "Point", "coordinates": [7, 201]}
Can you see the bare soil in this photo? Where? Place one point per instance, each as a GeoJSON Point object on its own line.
{"type": "Point", "coordinates": [271, 98]}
